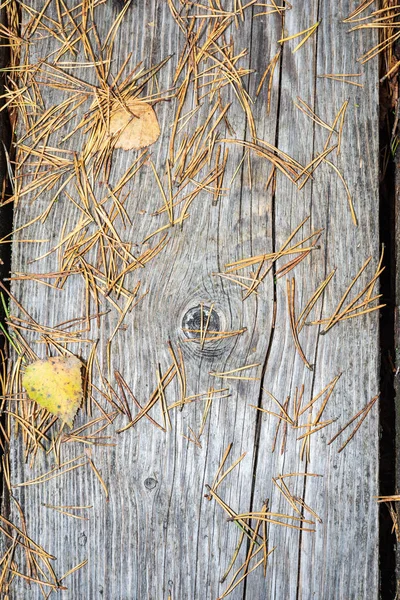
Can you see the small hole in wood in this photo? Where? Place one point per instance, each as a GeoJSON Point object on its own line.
{"type": "Point", "coordinates": [150, 483]}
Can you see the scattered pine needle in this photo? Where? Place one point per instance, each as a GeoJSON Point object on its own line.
{"type": "Point", "coordinates": [363, 413]}
{"type": "Point", "coordinates": [306, 33]}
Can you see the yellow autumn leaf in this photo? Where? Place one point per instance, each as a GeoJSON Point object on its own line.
{"type": "Point", "coordinates": [135, 125]}
{"type": "Point", "coordinates": [55, 384]}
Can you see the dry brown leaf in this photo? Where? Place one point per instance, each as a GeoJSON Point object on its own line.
{"type": "Point", "coordinates": [135, 126]}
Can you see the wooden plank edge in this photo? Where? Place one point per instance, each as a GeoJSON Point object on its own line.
{"type": "Point", "coordinates": [6, 220]}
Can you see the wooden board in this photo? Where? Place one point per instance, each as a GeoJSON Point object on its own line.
{"type": "Point", "coordinates": [157, 536]}
{"type": "Point", "coordinates": [5, 215]}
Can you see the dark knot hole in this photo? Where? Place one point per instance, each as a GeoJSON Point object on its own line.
{"type": "Point", "coordinates": [199, 318]}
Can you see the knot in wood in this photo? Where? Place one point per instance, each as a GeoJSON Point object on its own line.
{"type": "Point", "coordinates": [150, 483]}
{"type": "Point", "coordinates": [201, 318]}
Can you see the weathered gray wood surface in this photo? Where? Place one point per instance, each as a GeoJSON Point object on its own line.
{"type": "Point", "coordinates": [5, 138]}
{"type": "Point", "coordinates": [396, 321]}
{"type": "Point", "coordinates": [157, 534]}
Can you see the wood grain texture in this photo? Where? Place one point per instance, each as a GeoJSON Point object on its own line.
{"type": "Point", "coordinates": [157, 534]}
{"type": "Point", "coordinates": [5, 214]}
{"type": "Point", "coordinates": [396, 327]}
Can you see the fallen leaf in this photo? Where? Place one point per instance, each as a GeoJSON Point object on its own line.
{"type": "Point", "coordinates": [55, 384]}
{"type": "Point", "coordinates": [135, 126]}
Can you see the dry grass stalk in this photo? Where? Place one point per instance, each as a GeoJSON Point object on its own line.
{"type": "Point", "coordinates": [163, 401]}
{"type": "Point", "coordinates": [305, 450]}
{"type": "Point", "coordinates": [221, 466]}
{"type": "Point", "coordinates": [313, 164]}
{"type": "Point", "coordinates": [324, 394]}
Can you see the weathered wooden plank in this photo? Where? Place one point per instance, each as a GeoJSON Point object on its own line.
{"type": "Point", "coordinates": [329, 566]}
{"type": "Point", "coordinates": [5, 215]}
{"type": "Point", "coordinates": [347, 498]}
{"type": "Point", "coordinates": [5, 210]}
{"type": "Point", "coordinates": [392, 222]}
{"type": "Point", "coordinates": [284, 368]}
{"type": "Point", "coordinates": [157, 534]}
